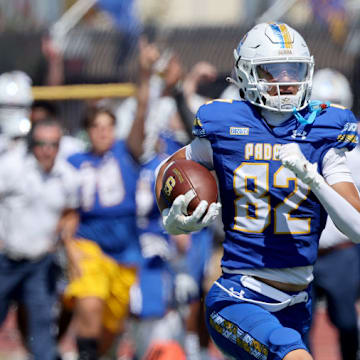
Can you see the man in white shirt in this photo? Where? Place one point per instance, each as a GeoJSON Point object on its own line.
{"type": "Point", "coordinates": [37, 198]}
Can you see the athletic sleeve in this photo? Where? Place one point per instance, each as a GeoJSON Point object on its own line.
{"type": "Point", "coordinates": [347, 130]}
{"type": "Point", "coordinates": [335, 168]}
{"type": "Point", "coordinates": [200, 150]}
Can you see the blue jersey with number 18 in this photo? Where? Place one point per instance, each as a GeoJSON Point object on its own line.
{"type": "Point", "coordinates": [271, 219]}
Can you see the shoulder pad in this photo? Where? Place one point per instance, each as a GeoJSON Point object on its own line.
{"type": "Point", "coordinates": [228, 101]}
{"type": "Point", "coordinates": [338, 106]}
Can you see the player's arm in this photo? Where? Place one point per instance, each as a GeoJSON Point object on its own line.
{"type": "Point", "coordinates": [341, 200]}
{"type": "Point", "coordinates": [148, 54]}
{"type": "Point", "coordinates": [174, 220]}
{"type": "Point", "coordinates": [68, 224]}
{"type": "Point", "coordinates": [66, 229]}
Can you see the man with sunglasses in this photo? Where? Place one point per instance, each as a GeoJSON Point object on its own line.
{"type": "Point", "coordinates": [38, 196]}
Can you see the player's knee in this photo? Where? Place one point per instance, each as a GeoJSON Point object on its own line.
{"type": "Point", "coordinates": [283, 338]}
{"type": "Point", "coordinates": [89, 305]}
{"type": "Point", "coordinates": [298, 354]}
{"type": "Point", "coordinates": [89, 311]}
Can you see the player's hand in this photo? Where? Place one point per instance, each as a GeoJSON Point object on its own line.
{"type": "Point", "coordinates": [176, 222]}
{"type": "Point", "coordinates": [148, 55]}
{"type": "Point", "coordinates": [154, 246]}
{"type": "Point", "coordinates": [293, 159]}
{"type": "Point", "coordinates": [201, 72]}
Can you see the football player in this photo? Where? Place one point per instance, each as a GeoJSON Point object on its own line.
{"type": "Point", "coordinates": [105, 254]}
{"type": "Point", "coordinates": [280, 164]}
{"type": "Point", "coordinates": [167, 312]}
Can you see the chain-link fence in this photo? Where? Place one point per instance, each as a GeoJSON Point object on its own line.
{"type": "Point", "coordinates": [93, 56]}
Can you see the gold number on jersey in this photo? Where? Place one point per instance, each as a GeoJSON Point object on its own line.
{"type": "Point", "coordinates": [253, 203]}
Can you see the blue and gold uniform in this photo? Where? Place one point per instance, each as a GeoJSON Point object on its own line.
{"type": "Point", "coordinates": [267, 198]}
{"type": "Point", "coordinates": [107, 233]}
{"type": "Point", "coordinates": [271, 218]}
{"type": "Point", "coordinates": [152, 301]}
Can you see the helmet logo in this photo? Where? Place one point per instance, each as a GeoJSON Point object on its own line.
{"type": "Point", "coordinates": [282, 35]}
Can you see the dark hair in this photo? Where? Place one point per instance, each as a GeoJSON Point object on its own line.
{"type": "Point", "coordinates": [42, 123]}
{"type": "Point", "coordinates": [48, 106]}
{"type": "Point", "coordinates": [93, 112]}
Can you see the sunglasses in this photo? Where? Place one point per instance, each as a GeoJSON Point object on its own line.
{"type": "Point", "coordinates": [43, 143]}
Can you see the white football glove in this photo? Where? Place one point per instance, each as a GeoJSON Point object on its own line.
{"type": "Point", "coordinates": [176, 222]}
{"type": "Point", "coordinates": [186, 288]}
{"type": "Point", "coordinates": [153, 245]}
{"type": "Point", "coordinates": [293, 159]}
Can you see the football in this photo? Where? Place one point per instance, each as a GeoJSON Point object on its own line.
{"type": "Point", "coordinates": [182, 176]}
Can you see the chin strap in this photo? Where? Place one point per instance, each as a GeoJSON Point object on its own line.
{"type": "Point", "coordinates": [315, 107]}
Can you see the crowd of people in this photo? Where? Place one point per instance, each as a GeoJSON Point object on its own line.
{"type": "Point", "coordinates": [86, 240]}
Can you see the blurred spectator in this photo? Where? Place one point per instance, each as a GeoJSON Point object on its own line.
{"type": "Point", "coordinates": [172, 103]}
{"type": "Point", "coordinates": [127, 22]}
{"type": "Point", "coordinates": [69, 144]}
{"type": "Point", "coordinates": [162, 107]}
{"type": "Point", "coordinates": [19, 111]}
{"type": "Point", "coordinates": [160, 313]}
{"type": "Point", "coordinates": [42, 109]}
{"type": "Point", "coordinates": [186, 256]}
{"type": "Point", "coordinates": [169, 311]}
{"type": "Point", "coordinates": [53, 62]}
{"type": "Point", "coordinates": [37, 198]}
{"type": "Point", "coordinates": [333, 86]}
{"type": "Point", "coordinates": [333, 14]}
{"type": "Point", "coordinates": [338, 255]}
{"type": "Point", "coordinates": [152, 304]}
{"type": "Point", "coordinates": [194, 254]}
{"type": "Point", "coordinates": [105, 254]}
{"type": "Point", "coordinates": [186, 93]}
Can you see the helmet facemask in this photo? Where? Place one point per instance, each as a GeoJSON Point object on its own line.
{"type": "Point", "coordinates": [276, 90]}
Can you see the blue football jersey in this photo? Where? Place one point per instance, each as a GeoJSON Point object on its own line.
{"type": "Point", "coordinates": [149, 217]}
{"type": "Point", "coordinates": [271, 219]}
{"type": "Point", "coordinates": [149, 301]}
{"type": "Point", "coordinates": [108, 207]}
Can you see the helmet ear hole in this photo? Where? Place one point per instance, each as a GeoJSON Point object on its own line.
{"type": "Point", "coordinates": [242, 94]}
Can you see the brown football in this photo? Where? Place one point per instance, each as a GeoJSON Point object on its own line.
{"type": "Point", "coordinates": [183, 175]}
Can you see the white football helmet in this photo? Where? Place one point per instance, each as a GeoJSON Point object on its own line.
{"type": "Point", "coordinates": [331, 85]}
{"type": "Point", "coordinates": [274, 68]}
{"type": "Point", "coordinates": [15, 103]}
